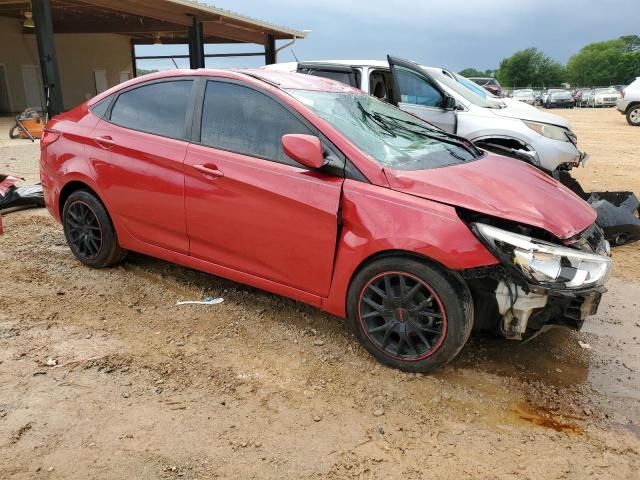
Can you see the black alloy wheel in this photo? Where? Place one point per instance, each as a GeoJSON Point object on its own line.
{"type": "Point", "coordinates": [84, 230]}
{"type": "Point", "coordinates": [409, 313]}
{"type": "Point", "coordinates": [89, 231]}
{"type": "Point", "coordinates": [402, 316]}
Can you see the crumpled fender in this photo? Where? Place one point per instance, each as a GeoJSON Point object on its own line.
{"type": "Point", "coordinates": [377, 220]}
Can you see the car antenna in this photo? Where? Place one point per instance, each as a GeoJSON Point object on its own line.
{"type": "Point", "coordinates": [294, 55]}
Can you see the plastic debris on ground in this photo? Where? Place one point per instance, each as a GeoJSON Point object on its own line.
{"type": "Point", "coordinates": [618, 212]}
{"type": "Point", "coordinates": [584, 345]}
{"type": "Point", "coordinates": [618, 215]}
{"type": "Point", "coordinates": [19, 197]}
{"type": "Point", "coordinates": [204, 301]}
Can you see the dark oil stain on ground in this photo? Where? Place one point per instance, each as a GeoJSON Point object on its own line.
{"type": "Point", "coordinates": [543, 417]}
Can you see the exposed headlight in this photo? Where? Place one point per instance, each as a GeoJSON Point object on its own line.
{"type": "Point", "coordinates": [544, 263]}
{"type": "Point", "coordinates": [549, 131]}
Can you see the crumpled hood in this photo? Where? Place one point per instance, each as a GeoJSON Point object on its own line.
{"type": "Point", "coordinates": [503, 188]}
{"type": "Point", "coordinates": [524, 111]}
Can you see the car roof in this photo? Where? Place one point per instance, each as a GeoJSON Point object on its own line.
{"type": "Point", "coordinates": [292, 80]}
{"type": "Point", "coordinates": [355, 63]}
{"type": "Point", "coordinates": [280, 79]}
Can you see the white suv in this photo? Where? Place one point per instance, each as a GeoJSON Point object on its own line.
{"type": "Point", "coordinates": [445, 99]}
{"type": "Point", "coordinates": [629, 104]}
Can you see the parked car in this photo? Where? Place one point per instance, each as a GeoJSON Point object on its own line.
{"type": "Point", "coordinates": [312, 189]}
{"type": "Point", "coordinates": [577, 95]}
{"type": "Point", "coordinates": [502, 125]}
{"type": "Point", "coordinates": [524, 95]}
{"type": "Point", "coordinates": [546, 93]}
{"type": "Point", "coordinates": [561, 99]}
{"type": "Point", "coordinates": [538, 95]}
{"type": "Point", "coordinates": [585, 98]}
{"type": "Point", "coordinates": [629, 103]}
{"type": "Point", "coordinates": [490, 84]}
{"type": "Point", "coordinates": [604, 97]}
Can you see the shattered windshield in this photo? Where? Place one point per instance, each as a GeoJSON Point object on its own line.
{"type": "Point", "coordinates": [390, 136]}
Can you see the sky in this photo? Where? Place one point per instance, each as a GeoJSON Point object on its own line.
{"type": "Point", "coordinates": [447, 33]}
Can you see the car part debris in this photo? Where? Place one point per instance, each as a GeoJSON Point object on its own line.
{"type": "Point", "coordinates": [18, 198]}
{"type": "Point", "coordinates": [516, 306]}
{"type": "Point", "coordinates": [618, 215]}
{"type": "Point", "coordinates": [618, 212]}
{"type": "Point", "coordinates": [204, 301]}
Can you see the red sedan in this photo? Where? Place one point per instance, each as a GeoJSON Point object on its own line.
{"type": "Point", "coordinates": [308, 188]}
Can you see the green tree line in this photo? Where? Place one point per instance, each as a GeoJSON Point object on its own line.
{"type": "Point", "coordinates": [612, 62]}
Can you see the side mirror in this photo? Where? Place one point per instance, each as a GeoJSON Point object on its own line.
{"type": "Point", "coordinates": [450, 103]}
{"type": "Point", "coordinates": [304, 149]}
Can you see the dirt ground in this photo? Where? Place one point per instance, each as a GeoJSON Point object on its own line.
{"type": "Point", "coordinates": [264, 387]}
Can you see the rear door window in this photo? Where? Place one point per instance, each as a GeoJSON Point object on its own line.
{"type": "Point", "coordinates": [158, 108]}
{"type": "Point", "coordinates": [242, 120]}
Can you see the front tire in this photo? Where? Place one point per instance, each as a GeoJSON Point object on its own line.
{"type": "Point", "coordinates": [89, 231]}
{"type": "Point", "coordinates": [633, 116]}
{"type": "Point", "coordinates": [408, 314]}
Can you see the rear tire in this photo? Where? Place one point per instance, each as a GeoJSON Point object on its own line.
{"type": "Point", "coordinates": [89, 231]}
{"type": "Point", "coordinates": [408, 314]}
{"type": "Point", "coordinates": [633, 116]}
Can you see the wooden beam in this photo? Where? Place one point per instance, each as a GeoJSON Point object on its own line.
{"type": "Point", "coordinates": [125, 26]}
{"type": "Point", "coordinates": [141, 10]}
{"type": "Point", "coordinates": [177, 15]}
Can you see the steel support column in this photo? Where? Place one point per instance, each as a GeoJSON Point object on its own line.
{"type": "Point", "coordinates": [134, 63]}
{"type": "Point", "coordinates": [196, 45]}
{"type": "Point", "coordinates": [270, 54]}
{"type": "Point", "coordinates": [48, 59]}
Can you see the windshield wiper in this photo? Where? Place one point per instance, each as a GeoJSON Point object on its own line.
{"type": "Point", "coordinates": [434, 133]}
{"type": "Point", "coordinates": [377, 120]}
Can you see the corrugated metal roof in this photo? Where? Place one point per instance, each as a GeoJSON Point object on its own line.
{"type": "Point", "coordinates": [242, 18]}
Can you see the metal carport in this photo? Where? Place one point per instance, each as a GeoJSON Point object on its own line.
{"type": "Point", "coordinates": [143, 21]}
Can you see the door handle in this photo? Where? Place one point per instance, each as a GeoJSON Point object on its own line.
{"type": "Point", "coordinates": [104, 142]}
{"type": "Point", "coordinates": [210, 170]}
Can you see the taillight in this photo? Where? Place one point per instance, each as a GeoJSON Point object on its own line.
{"type": "Point", "coordinates": [48, 137]}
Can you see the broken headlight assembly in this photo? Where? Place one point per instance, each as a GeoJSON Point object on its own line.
{"type": "Point", "coordinates": [544, 263]}
{"type": "Point", "coordinates": [550, 131]}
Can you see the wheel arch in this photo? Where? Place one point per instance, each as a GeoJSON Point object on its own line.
{"type": "Point", "coordinates": [396, 253]}
{"type": "Point", "coordinates": [631, 105]}
{"type": "Point", "coordinates": [74, 186]}
{"type": "Point", "coordinates": [507, 145]}
{"type": "Point", "coordinates": [399, 253]}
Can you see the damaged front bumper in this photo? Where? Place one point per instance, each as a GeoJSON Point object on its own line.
{"type": "Point", "coordinates": [530, 312]}
{"type": "Point", "coordinates": [519, 311]}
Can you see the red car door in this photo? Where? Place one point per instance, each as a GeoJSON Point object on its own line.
{"type": "Point", "coordinates": [138, 159]}
{"type": "Point", "coordinates": [249, 207]}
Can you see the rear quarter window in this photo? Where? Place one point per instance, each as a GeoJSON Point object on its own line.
{"type": "Point", "coordinates": [100, 109]}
